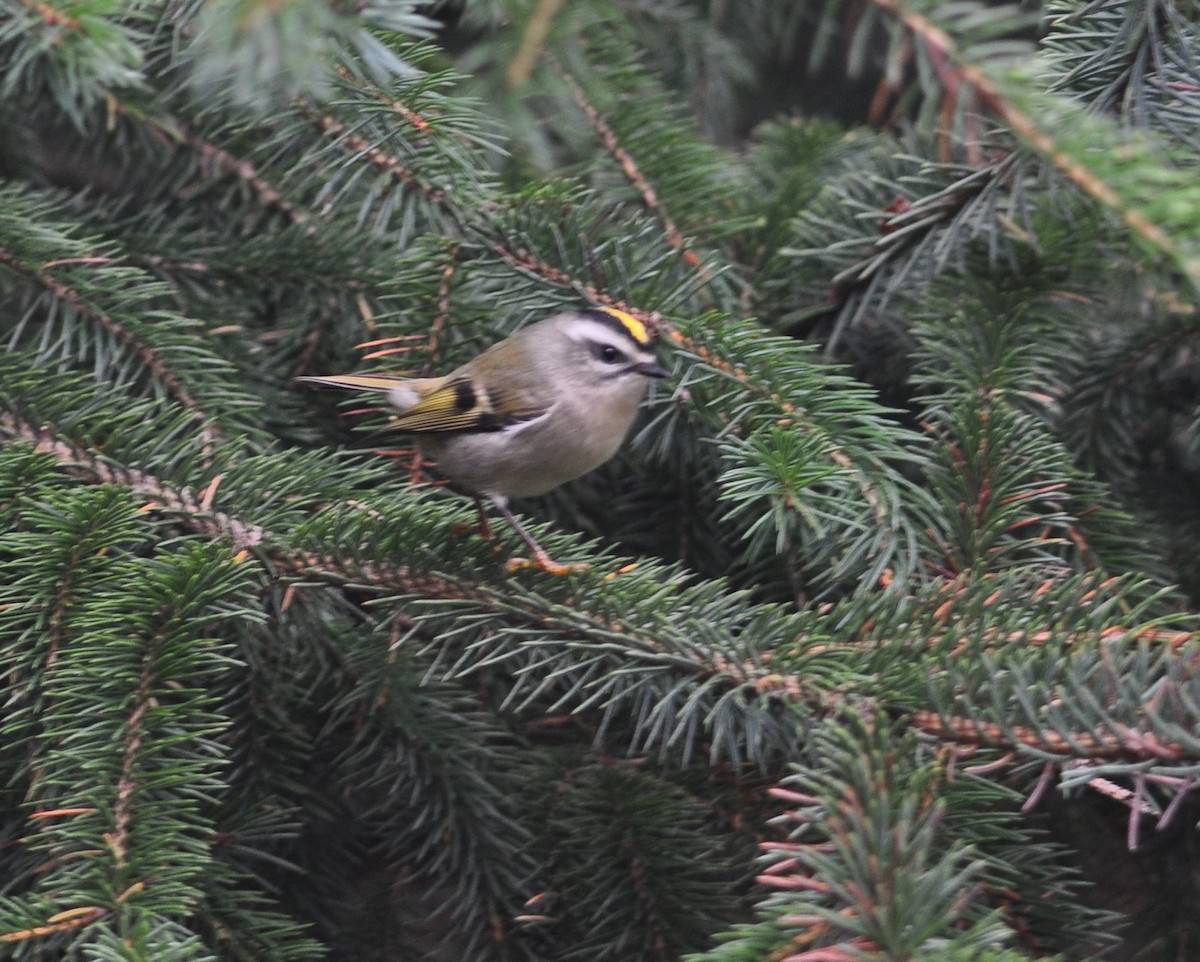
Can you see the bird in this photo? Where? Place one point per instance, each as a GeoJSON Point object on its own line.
{"type": "Point", "coordinates": [538, 409]}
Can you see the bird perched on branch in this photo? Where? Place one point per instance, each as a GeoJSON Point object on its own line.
{"type": "Point", "coordinates": [533, 411]}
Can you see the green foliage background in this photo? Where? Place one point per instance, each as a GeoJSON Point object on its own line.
{"type": "Point", "coordinates": [886, 649]}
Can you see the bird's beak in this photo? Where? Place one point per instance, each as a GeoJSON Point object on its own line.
{"type": "Point", "coordinates": [650, 369]}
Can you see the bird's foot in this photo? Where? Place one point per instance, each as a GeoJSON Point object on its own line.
{"type": "Point", "coordinates": [483, 528]}
{"type": "Point", "coordinates": [460, 529]}
{"type": "Point", "coordinates": [545, 563]}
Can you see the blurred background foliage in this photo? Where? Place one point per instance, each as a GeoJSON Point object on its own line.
{"type": "Point", "coordinates": [887, 645]}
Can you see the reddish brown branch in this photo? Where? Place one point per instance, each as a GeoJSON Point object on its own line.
{"type": "Point", "coordinates": [218, 158]}
{"type": "Point", "coordinates": [127, 781]}
{"type": "Point", "coordinates": [946, 62]}
{"type": "Point", "coordinates": [166, 497]}
{"type": "Point", "coordinates": [628, 165]}
{"type": "Point", "coordinates": [443, 310]}
{"type": "Point", "coordinates": [244, 536]}
{"type": "Point", "coordinates": [51, 16]}
{"type": "Point", "coordinates": [418, 122]}
{"type": "Point", "coordinates": [1125, 744]}
{"type": "Point", "coordinates": [531, 264]}
{"type": "Point", "coordinates": [75, 918]}
{"type": "Point", "coordinates": [374, 155]}
{"type": "Point", "coordinates": [533, 42]}
{"type": "Point", "coordinates": [147, 355]}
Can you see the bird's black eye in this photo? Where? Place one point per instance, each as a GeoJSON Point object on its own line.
{"type": "Point", "coordinates": [607, 353]}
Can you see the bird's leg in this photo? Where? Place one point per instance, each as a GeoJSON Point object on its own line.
{"type": "Point", "coordinates": [485, 526]}
{"type": "Point", "coordinates": [540, 558]}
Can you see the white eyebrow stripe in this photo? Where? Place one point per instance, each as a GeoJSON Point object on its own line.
{"type": "Point", "coordinates": [587, 330]}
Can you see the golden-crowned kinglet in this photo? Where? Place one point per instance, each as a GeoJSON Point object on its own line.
{"type": "Point", "coordinates": [536, 410]}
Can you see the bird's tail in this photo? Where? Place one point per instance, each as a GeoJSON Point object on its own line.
{"type": "Point", "coordinates": [356, 382]}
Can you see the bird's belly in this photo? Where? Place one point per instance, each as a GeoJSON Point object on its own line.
{"type": "Point", "coordinates": [523, 463]}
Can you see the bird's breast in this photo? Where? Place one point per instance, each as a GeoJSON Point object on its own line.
{"type": "Point", "coordinates": [530, 459]}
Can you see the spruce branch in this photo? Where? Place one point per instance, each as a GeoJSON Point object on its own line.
{"type": "Point", "coordinates": [1128, 178]}
{"type": "Point", "coordinates": [859, 849]}
{"type": "Point", "coordinates": [628, 166]}
{"type": "Point", "coordinates": [174, 132]}
{"type": "Point", "coordinates": [425, 126]}
{"type": "Point", "coordinates": [148, 355]}
{"type": "Point", "coordinates": [140, 673]}
{"type": "Point", "coordinates": [199, 516]}
{"type": "Point", "coordinates": [371, 725]}
{"type": "Point", "coordinates": [1128, 745]}
{"type": "Point", "coordinates": [529, 263]}
{"type": "Point", "coordinates": [1133, 61]}
{"type": "Point", "coordinates": [706, 664]}
{"type": "Point", "coordinates": [181, 502]}
{"type": "Point", "coordinates": [251, 55]}
{"type": "Point", "coordinates": [374, 155]}
{"type": "Point", "coordinates": [443, 309]}
{"type": "Point", "coordinates": [74, 55]}
{"type": "Point", "coordinates": [74, 918]}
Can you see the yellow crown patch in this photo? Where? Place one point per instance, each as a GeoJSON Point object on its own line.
{"type": "Point", "coordinates": [637, 330]}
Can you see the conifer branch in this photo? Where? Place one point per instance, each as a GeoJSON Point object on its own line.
{"type": "Point", "coordinates": [533, 40]}
{"type": "Point", "coordinates": [370, 708]}
{"type": "Point", "coordinates": [127, 780]}
{"type": "Point", "coordinates": [955, 74]}
{"type": "Point", "coordinates": [442, 314]}
{"type": "Point", "coordinates": [213, 157]}
{"type": "Point", "coordinates": [179, 501]}
{"type": "Point", "coordinates": [419, 123]}
{"type": "Point", "coordinates": [143, 352]}
{"type": "Point", "coordinates": [529, 263]}
{"type": "Point", "coordinates": [1127, 744]}
{"type": "Point", "coordinates": [199, 515]}
{"type": "Point", "coordinates": [76, 918]}
{"type": "Point", "coordinates": [628, 166]}
{"type": "Point", "coordinates": [51, 16]}
{"type": "Point", "coordinates": [400, 579]}
{"type": "Point", "coordinates": [374, 155]}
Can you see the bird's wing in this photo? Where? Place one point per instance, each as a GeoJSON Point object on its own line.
{"type": "Point", "coordinates": [462, 405]}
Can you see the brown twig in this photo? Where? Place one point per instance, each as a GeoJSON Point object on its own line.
{"type": "Point", "coordinates": [954, 75]}
{"type": "Point", "coordinates": [147, 355]}
{"type": "Point", "coordinates": [418, 122]}
{"type": "Point", "coordinates": [628, 165]}
{"type": "Point", "coordinates": [127, 781]}
{"type": "Point", "coordinates": [178, 501]}
{"type": "Point", "coordinates": [218, 158]}
{"type": "Point", "coordinates": [51, 16]}
{"type": "Point", "coordinates": [375, 156]}
{"type": "Point", "coordinates": [1125, 744]}
{"type": "Point", "coordinates": [531, 264]}
{"type": "Point", "coordinates": [533, 40]}
{"type": "Point", "coordinates": [443, 310]}
{"type": "Point", "coordinates": [75, 918]}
